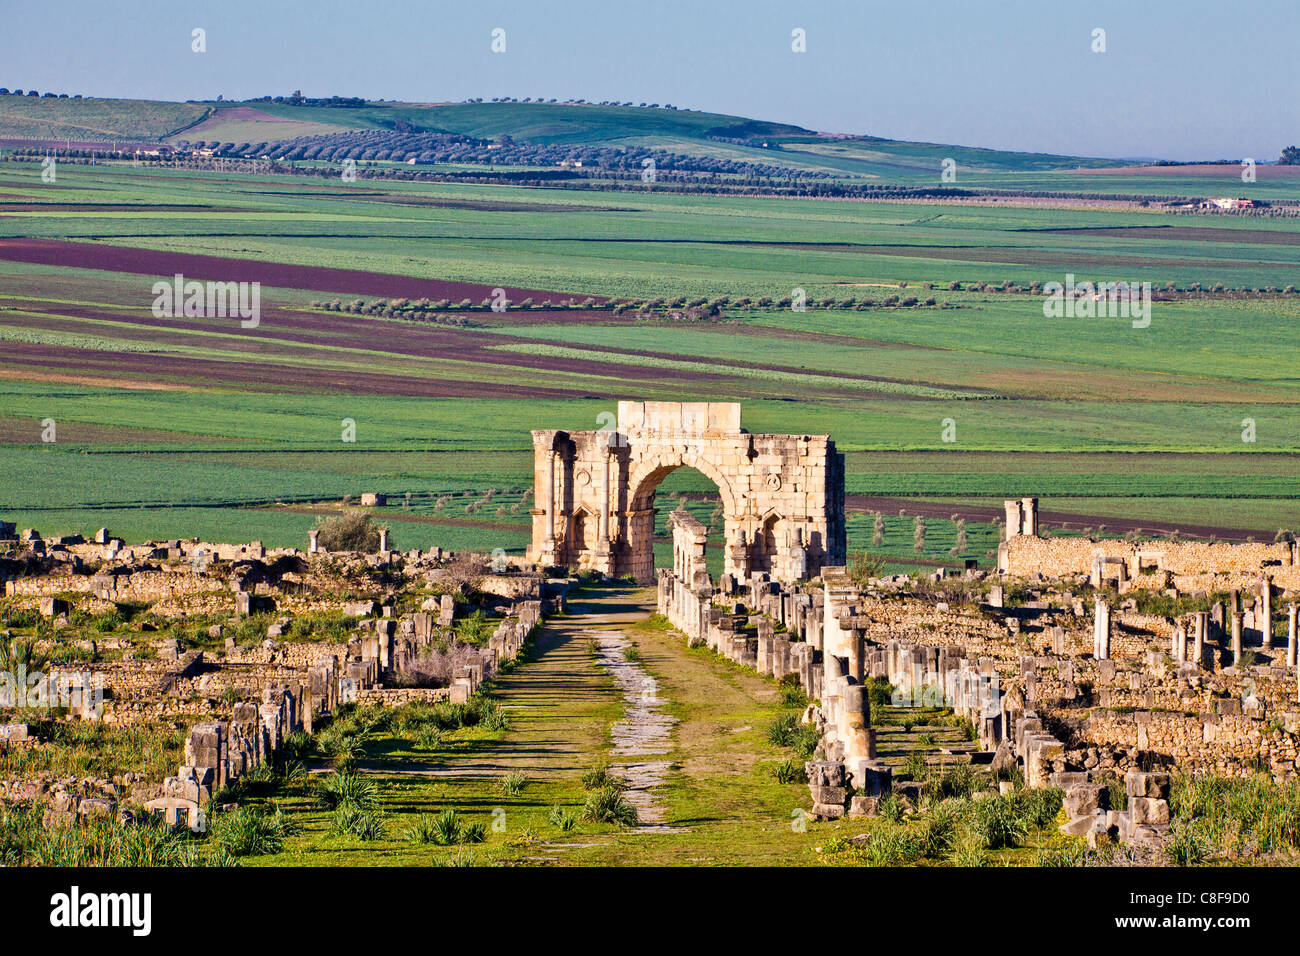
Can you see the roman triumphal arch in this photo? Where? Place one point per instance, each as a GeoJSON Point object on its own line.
{"type": "Point", "coordinates": [782, 495]}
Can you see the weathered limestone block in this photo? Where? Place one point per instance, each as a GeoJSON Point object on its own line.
{"type": "Point", "coordinates": [1085, 800]}
{"type": "Point", "coordinates": [1147, 811]}
{"type": "Point", "coordinates": [1153, 785]}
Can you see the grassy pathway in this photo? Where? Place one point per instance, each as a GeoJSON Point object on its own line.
{"type": "Point", "coordinates": [716, 799]}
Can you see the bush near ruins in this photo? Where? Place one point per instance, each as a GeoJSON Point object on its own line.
{"type": "Point", "coordinates": [351, 531]}
{"type": "Point", "coordinates": [475, 629]}
{"type": "Point", "coordinates": [863, 567]}
{"type": "Point", "coordinates": [435, 666]}
{"type": "Point", "coordinates": [249, 831]}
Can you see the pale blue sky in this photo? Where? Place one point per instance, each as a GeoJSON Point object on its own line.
{"type": "Point", "coordinates": [1181, 79]}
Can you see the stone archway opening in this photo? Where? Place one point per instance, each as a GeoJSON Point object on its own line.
{"type": "Point", "coordinates": [687, 489]}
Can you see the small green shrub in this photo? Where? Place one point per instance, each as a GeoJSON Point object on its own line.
{"type": "Point", "coordinates": [563, 819]}
{"type": "Point", "coordinates": [365, 825]}
{"type": "Point", "coordinates": [600, 777]}
{"type": "Point", "coordinates": [428, 738]}
{"type": "Point", "coordinates": [806, 739]}
{"type": "Point", "coordinates": [299, 745]}
{"type": "Point", "coordinates": [788, 771]}
{"type": "Point", "coordinates": [792, 695]}
{"type": "Point", "coordinates": [348, 789]}
{"type": "Point", "coordinates": [783, 729]}
{"type": "Point", "coordinates": [894, 845]}
{"type": "Point", "coordinates": [446, 828]}
{"type": "Point", "coordinates": [247, 831]}
{"type": "Point", "coordinates": [421, 831]}
{"type": "Point", "coordinates": [997, 823]}
{"type": "Point", "coordinates": [1186, 844]}
{"type": "Point", "coordinates": [609, 806]}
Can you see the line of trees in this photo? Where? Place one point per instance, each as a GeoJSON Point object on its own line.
{"type": "Point", "coordinates": [46, 96]}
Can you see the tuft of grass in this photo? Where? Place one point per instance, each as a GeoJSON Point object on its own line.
{"type": "Point", "coordinates": [248, 831]}
{"type": "Point", "coordinates": [806, 739]}
{"type": "Point", "coordinates": [788, 771]}
{"type": "Point", "coordinates": [915, 768]}
{"type": "Point", "coordinates": [600, 777]}
{"type": "Point", "coordinates": [563, 818]}
{"type": "Point", "coordinates": [792, 695]}
{"type": "Point", "coordinates": [299, 745]}
{"type": "Point", "coordinates": [968, 850]}
{"type": "Point", "coordinates": [446, 828]}
{"type": "Point", "coordinates": [893, 845]}
{"type": "Point", "coordinates": [512, 784]}
{"type": "Point", "coordinates": [783, 729]}
{"type": "Point", "coordinates": [348, 789]}
{"type": "Point", "coordinates": [365, 825]}
{"type": "Point", "coordinates": [1186, 844]}
{"type": "Point", "coordinates": [609, 806]}
{"type": "Point", "coordinates": [422, 831]}
{"type": "Point", "coordinates": [997, 823]}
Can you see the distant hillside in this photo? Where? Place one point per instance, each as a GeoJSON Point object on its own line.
{"type": "Point", "coordinates": [32, 117]}
{"type": "Point", "coordinates": [711, 135]}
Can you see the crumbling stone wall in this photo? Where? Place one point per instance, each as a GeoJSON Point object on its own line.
{"type": "Point", "coordinates": [1199, 562]}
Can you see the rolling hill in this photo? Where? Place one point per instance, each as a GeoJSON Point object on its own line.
{"type": "Point", "coordinates": [566, 124]}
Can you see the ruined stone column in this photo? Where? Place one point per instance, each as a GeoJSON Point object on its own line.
{"type": "Point", "coordinates": [1014, 519]}
{"type": "Point", "coordinates": [1029, 517]}
{"type": "Point", "coordinates": [549, 506]}
{"type": "Point", "coordinates": [1201, 625]}
{"type": "Point", "coordinates": [313, 539]}
{"type": "Point", "coordinates": [1290, 634]}
{"type": "Point", "coordinates": [855, 726]}
{"type": "Point", "coordinates": [857, 655]}
{"type": "Point", "coordinates": [1265, 616]}
{"type": "Point", "coordinates": [383, 540]}
{"type": "Point", "coordinates": [1218, 618]}
{"type": "Point", "coordinates": [1237, 617]}
{"type": "Point", "coordinates": [604, 501]}
{"type": "Point", "coordinates": [1101, 631]}
{"type": "Point", "coordinates": [1179, 650]}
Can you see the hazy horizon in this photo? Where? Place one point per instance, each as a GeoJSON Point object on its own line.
{"type": "Point", "coordinates": [1182, 81]}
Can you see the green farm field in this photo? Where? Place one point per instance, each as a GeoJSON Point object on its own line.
{"type": "Point", "coordinates": [171, 427]}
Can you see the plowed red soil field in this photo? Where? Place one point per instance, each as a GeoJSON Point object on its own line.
{"type": "Point", "coordinates": [152, 262]}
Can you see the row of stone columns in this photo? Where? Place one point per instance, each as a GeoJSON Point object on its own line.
{"type": "Point", "coordinates": [1101, 634]}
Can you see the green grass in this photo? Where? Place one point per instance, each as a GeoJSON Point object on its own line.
{"type": "Point", "coordinates": [1065, 409]}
